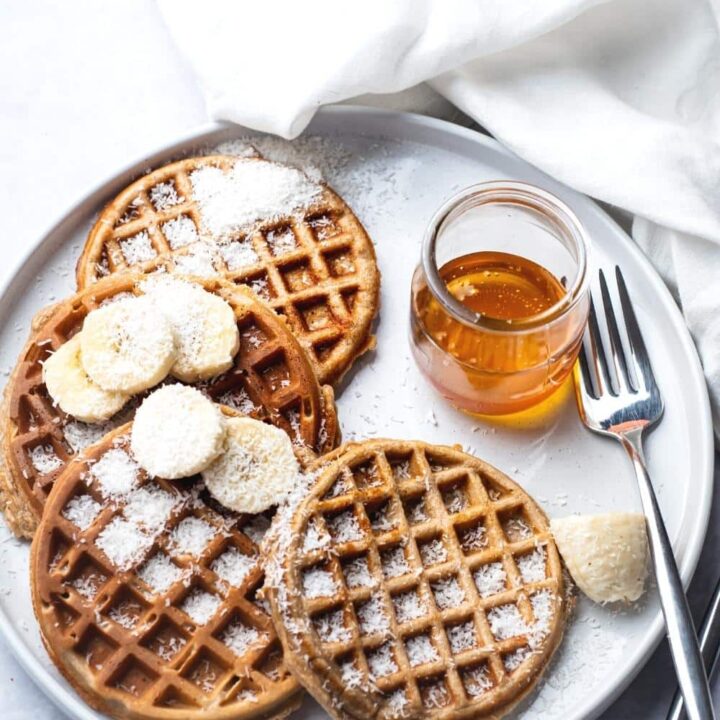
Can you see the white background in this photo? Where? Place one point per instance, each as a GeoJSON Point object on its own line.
{"type": "Point", "coordinates": [84, 89]}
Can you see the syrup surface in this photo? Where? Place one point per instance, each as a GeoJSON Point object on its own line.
{"type": "Point", "coordinates": [501, 285]}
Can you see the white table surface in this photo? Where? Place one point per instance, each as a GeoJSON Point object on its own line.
{"type": "Point", "coordinates": [85, 87]}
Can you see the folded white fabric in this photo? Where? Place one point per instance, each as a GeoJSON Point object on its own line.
{"type": "Point", "coordinates": [620, 100]}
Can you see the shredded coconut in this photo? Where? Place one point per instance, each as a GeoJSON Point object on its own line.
{"type": "Point", "coordinates": [44, 459]}
{"type": "Point", "coordinates": [433, 552]}
{"type": "Point", "coordinates": [159, 572]}
{"type": "Point", "coordinates": [331, 627]}
{"type": "Point", "coordinates": [397, 702]}
{"type": "Point", "coordinates": [381, 520]}
{"type": "Point", "coordinates": [394, 562]}
{"type": "Point", "coordinates": [164, 196]}
{"type": "Point", "coordinates": [420, 650]}
{"type": "Point", "coordinates": [351, 675]}
{"type": "Point", "coordinates": [116, 473]}
{"type": "Point", "coordinates": [490, 579]}
{"type": "Point", "coordinates": [448, 593]}
{"type": "Point", "coordinates": [515, 528]}
{"type": "Point", "coordinates": [357, 573]}
{"type": "Point", "coordinates": [382, 662]}
{"type": "Point", "coordinates": [281, 241]}
{"type": "Point", "coordinates": [409, 606]}
{"type": "Point", "coordinates": [435, 695]}
{"type": "Point", "coordinates": [415, 511]}
{"type": "Point", "coordinates": [372, 617]}
{"type": "Point", "coordinates": [248, 192]}
{"type": "Point", "coordinates": [80, 435]}
{"type": "Point", "coordinates": [150, 506]}
{"type": "Point", "coordinates": [200, 605]}
{"type": "Point", "coordinates": [82, 511]}
{"type": "Point", "coordinates": [542, 604]}
{"type": "Point", "coordinates": [532, 565]}
{"type": "Point", "coordinates": [137, 249]}
{"type": "Point", "coordinates": [239, 254]}
{"type": "Point", "coordinates": [315, 537]}
{"type": "Point", "coordinates": [125, 614]}
{"type": "Point", "coordinates": [124, 542]}
{"type": "Point", "coordinates": [234, 566]}
{"type": "Point", "coordinates": [462, 637]}
{"type": "Point", "coordinates": [240, 637]}
{"type": "Point", "coordinates": [344, 528]}
{"type": "Point", "coordinates": [198, 260]}
{"type": "Point", "coordinates": [473, 538]}
{"type": "Point", "coordinates": [318, 583]}
{"type": "Point", "coordinates": [238, 400]}
{"type": "Point", "coordinates": [477, 681]}
{"type": "Point", "coordinates": [180, 231]}
{"type": "Point", "coordinates": [514, 659]}
{"type": "Point", "coordinates": [88, 585]}
{"type": "Point", "coordinates": [455, 500]}
{"type": "Point", "coordinates": [168, 648]}
{"type": "Point", "coordinates": [191, 536]}
{"type": "Point", "coordinates": [506, 622]}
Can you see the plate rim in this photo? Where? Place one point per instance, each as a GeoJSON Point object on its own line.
{"type": "Point", "coordinates": [67, 701]}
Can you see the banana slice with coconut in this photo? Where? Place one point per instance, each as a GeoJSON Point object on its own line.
{"type": "Point", "coordinates": [607, 555]}
{"type": "Point", "coordinates": [257, 469]}
{"type": "Point", "coordinates": [72, 389]}
{"type": "Point", "coordinates": [205, 327]}
{"type": "Point", "coordinates": [177, 432]}
{"type": "Point", "coordinates": [127, 346]}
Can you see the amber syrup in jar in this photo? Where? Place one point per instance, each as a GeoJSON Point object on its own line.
{"type": "Point", "coordinates": [495, 371]}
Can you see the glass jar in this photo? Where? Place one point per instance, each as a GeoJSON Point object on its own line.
{"type": "Point", "coordinates": [493, 364]}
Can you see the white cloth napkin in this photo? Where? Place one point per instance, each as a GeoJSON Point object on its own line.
{"type": "Point", "coordinates": [620, 100]}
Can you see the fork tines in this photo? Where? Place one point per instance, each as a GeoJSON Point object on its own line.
{"type": "Point", "coordinates": [629, 371]}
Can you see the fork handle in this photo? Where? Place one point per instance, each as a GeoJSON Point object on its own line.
{"type": "Point", "coordinates": [684, 647]}
{"type": "Point", "coordinates": [709, 646]}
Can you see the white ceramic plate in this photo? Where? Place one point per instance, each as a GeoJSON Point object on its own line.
{"type": "Point", "coordinates": [395, 170]}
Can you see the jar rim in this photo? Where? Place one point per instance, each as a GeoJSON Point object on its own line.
{"type": "Point", "coordinates": [514, 193]}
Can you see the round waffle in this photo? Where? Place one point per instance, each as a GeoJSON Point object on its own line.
{"type": "Point", "coordinates": [271, 380]}
{"type": "Point", "coordinates": [316, 267]}
{"type": "Point", "coordinates": [146, 595]}
{"type": "Point", "coordinates": [415, 581]}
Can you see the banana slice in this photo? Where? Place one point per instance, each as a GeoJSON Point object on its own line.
{"type": "Point", "coordinates": [205, 328]}
{"type": "Point", "coordinates": [127, 346]}
{"type": "Point", "coordinates": [257, 469]}
{"type": "Point", "coordinates": [605, 554]}
{"type": "Point", "coordinates": [75, 393]}
{"type": "Point", "coordinates": [177, 432]}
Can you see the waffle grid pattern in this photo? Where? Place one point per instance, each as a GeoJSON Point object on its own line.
{"type": "Point", "coordinates": [124, 642]}
{"type": "Point", "coordinates": [271, 381]}
{"type": "Point", "coordinates": [402, 504]}
{"type": "Point", "coordinates": [318, 269]}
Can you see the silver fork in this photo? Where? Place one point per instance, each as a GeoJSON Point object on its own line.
{"type": "Point", "coordinates": [620, 398]}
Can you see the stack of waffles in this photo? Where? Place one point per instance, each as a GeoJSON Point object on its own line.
{"type": "Point", "coordinates": [387, 578]}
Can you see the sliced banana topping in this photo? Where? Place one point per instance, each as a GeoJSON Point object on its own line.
{"type": "Point", "coordinates": [127, 346]}
{"type": "Point", "coordinates": [75, 393]}
{"type": "Point", "coordinates": [257, 469]}
{"type": "Point", "coordinates": [205, 328]}
{"type": "Point", "coordinates": [605, 554]}
{"type": "Point", "coordinates": [177, 432]}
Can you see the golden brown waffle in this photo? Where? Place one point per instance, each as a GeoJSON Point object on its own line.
{"type": "Point", "coordinates": [146, 596]}
{"type": "Point", "coordinates": [272, 380]}
{"type": "Point", "coordinates": [415, 581]}
{"type": "Point", "coordinates": [317, 268]}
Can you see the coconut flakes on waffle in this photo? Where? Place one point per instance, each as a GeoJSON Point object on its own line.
{"type": "Point", "coordinates": [249, 191]}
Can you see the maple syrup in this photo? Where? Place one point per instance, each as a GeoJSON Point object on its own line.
{"type": "Point", "coordinates": [494, 331]}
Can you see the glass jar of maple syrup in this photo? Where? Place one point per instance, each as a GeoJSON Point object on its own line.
{"type": "Point", "coordinates": [500, 298]}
